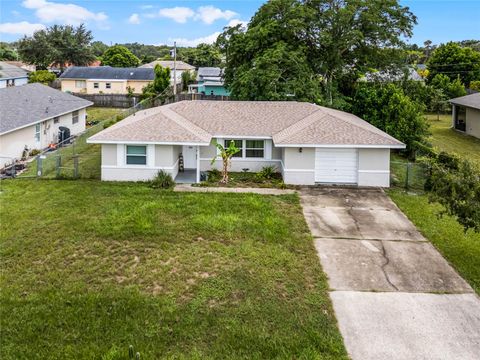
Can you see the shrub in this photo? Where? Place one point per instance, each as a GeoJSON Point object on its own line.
{"type": "Point", "coordinates": [267, 172]}
{"type": "Point", "coordinates": [475, 85]}
{"type": "Point", "coordinates": [109, 123]}
{"type": "Point", "coordinates": [34, 152]}
{"type": "Point", "coordinates": [213, 175]}
{"type": "Point", "coordinates": [162, 180]}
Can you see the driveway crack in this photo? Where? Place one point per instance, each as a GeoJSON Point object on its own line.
{"type": "Point", "coordinates": [384, 265]}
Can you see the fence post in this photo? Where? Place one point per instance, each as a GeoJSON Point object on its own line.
{"type": "Point", "coordinates": [407, 176]}
{"type": "Point", "coordinates": [39, 166]}
{"type": "Point", "coordinates": [58, 165]}
{"type": "Point", "coordinates": [75, 166]}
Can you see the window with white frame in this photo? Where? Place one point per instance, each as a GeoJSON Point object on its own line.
{"type": "Point", "coordinates": [136, 155]}
{"type": "Point", "coordinates": [75, 117]}
{"type": "Point", "coordinates": [238, 144]}
{"type": "Point", "coordinates": [95, 85]}
{"type": "Point", "coordinates": [37, 132]}
{"type": "Point", "coordinates": [80, 84]}
{"type": "Point", "coordinates": [108, 85]}
{"type": "Point", "coordinates": [254, 148]}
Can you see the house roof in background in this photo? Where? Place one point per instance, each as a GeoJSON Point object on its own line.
{"type": "Point", "coordinates": [28, 104]}
{"type": "Point", "coordinates": [108, 73]}
{"type": "Point", "coordinates": [471, 101]}
{"type": "Point", "coordinates": [209, 72]}
{"type": "Point", "coordinates": [169, 63]}
{"type": "Point", "coordinates": [289, 123]}
{"type": "Point", "coordinates": [392, 75]}
{"type": "Point", "coordinates": [9, 71]}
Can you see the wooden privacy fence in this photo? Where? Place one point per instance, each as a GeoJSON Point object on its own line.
{"type": "Point", "coordinates": [110, 100]}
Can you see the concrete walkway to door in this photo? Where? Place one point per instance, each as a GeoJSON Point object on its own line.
{"type": "Point", "coordinates": [394, 295]}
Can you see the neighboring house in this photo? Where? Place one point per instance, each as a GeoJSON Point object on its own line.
{"type": "Point", "coordinates": [105, 80]}
{"type": "Point", "coordinates": [387, 76]}
{"type": "Point", "coordinates": [31, 116]}
{"type": "Point", "coordinates": [180, 66]}
{"type": "Point", "coordinates": [209, 82]}
{"type": "Point", "coordinates": [58, 69]}
{"type": "Point", "coordinates": [21, 64]}
{"type": "Point", "coordinates": [466, 114]}
{"type": "Point", "coordinates": [11, 75]}
{"type": "Point", "coordinates": [307, 143]}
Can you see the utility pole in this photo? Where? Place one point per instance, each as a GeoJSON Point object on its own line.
{"type": "Point", "coordinates": [174, 68]}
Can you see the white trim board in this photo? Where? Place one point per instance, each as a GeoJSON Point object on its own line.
{"type": "Point", "coordinates": [344, 146]}
{"type": "Point", "coordinates": [136, 142]}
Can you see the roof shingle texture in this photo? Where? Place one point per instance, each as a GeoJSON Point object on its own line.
{"type": "Point", "coordinates": [108, 73]}
{"type": "Point", "coordinates": [30, 103]}
{"type": "Point", "coordinates": [472, 101]}
{"type": "Point", "coordinates": [8, 71]}
{"type": "Point", "coordinates": [288, 123]}
{"type": "Point", "coordinates": [170, 64]}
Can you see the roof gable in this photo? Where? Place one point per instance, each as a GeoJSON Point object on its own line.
{"type": "Point", "coordinates": [472, 101]}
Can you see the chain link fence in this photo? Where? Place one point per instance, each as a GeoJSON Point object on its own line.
{"type": "Point", "coordinates": [408, 175]}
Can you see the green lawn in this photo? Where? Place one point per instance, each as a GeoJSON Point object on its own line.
{"type": "Point", "coordinates": [90, 267]}
{"type": "Point", "coordinates": [446, 139]}
{"type": "Point", "coordinates": [461, 249]}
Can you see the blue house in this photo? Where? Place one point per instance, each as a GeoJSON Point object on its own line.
{"type": "Point", "coordinates": [209, 82]}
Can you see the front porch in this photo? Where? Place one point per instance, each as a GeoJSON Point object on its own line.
{"type": "Point", "coordinates": [188, 176]}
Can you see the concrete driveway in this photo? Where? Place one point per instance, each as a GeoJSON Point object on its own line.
{"type": "Point", "coordinates": [394, 295]}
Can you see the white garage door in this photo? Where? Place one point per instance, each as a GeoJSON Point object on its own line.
{"type": "Point", "coordinates": [338, 166]}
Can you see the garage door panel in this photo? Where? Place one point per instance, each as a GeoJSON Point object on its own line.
{"type": "Point", "coordinates": [336, 166]}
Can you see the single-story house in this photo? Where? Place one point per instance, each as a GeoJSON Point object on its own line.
{"type": "Point", "coordinates": [307, 143]}
{"type": "Point", "coordinates": [31, 116]}
{"type": "Point", "coordinates": [105, 79]}
{"type": "Point", "coordinates": [11, 75]}
{"type": "Point", "coordinates": [466, 114]}
{"type": "Point", "coordinates": [180, 66]}
{"type": "Point", "coordinates": [209, 82]}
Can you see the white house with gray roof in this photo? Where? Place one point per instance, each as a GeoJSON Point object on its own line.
{"type": "Point", "coordinates": [11, 75]}
{"type": "Point", "coordinates": [31, 115]}
{"type": "Point", "coordinates": [466, 114]}
{"type": "Point", "coordinates": [307, 143]}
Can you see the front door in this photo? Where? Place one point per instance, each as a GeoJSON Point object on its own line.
{"type": "Point", "coordinates": [190, 157]}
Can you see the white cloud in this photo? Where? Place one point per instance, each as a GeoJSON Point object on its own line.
{"type": "Point", "coordinates": [22, 28]}
{"type": "Point", "coordinates": [210, 39]}
{"type": "Point", "coordinates": [209, 14]}
{"type": "Point", "coordinates": [134, 19]}
{"type": "Point", "coordinates": [235, 22]}
{"type": "Point", "coordinates": [179, 14]}
{"type": "Point", "coordinates": [70, 14]}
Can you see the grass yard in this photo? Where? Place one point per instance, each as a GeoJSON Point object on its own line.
{"type": "Point", "coordinates": [461, 249]}
{"type": "Point", "coordinates": [446, 139]}
{"type": "Point", "coordinates": [89, 268]}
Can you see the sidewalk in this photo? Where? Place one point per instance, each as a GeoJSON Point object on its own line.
{"type": "Point", "coordinates": [261, 191]}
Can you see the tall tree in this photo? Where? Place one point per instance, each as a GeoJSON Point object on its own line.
{"type": "Point", "coordinates": [454, 61]}
{"type": "Point", "coordinates": [7, 53]}
{"type": "Point", "coordinates": [119, 56]}
{"type": "Point", "coordinates": [335, 37]}
{"type": "Point", "coordinates": [98, 48]}
{"type": "Point", "coordinates": [58, 45]}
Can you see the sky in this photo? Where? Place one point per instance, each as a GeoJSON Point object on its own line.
{"type": "Point", "coordinates": [192, 22]}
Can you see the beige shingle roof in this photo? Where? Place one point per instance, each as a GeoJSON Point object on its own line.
{"type": "Point", "coordinates": [286, 122]}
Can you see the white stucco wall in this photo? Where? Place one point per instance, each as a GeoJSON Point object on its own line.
{"type": "Point", "coordinates": [272, 157]}
{"type": "Point", "coordinates": [473, 122]}
{"type": "Point", "coordinates": [374, 167]}
{"type": "Point", "coordinates": [13, 143]}
{"type": "Point", "coordinates": [17, 82]}
{"type": "Point", "coordinates": [299, 167]}
{"type": "Point", "coordinates": [159, 157]}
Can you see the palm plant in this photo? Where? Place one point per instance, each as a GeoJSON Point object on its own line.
{"type": "Point", "coordinates": [226, 154]}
